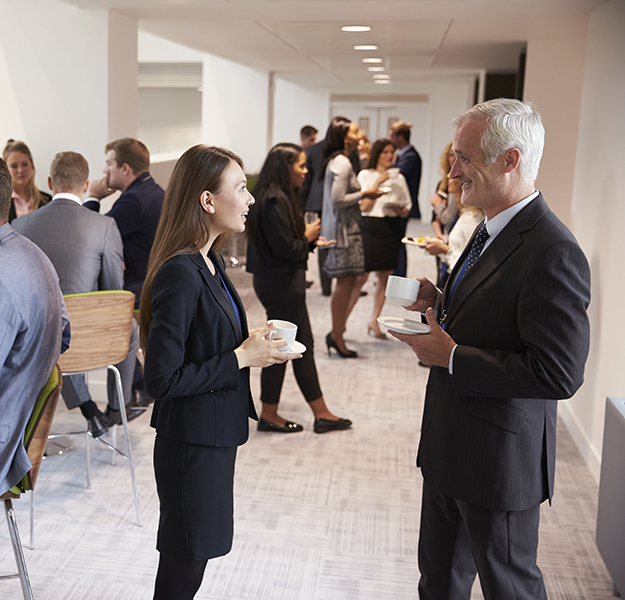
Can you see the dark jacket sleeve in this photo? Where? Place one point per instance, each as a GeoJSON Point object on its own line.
{"type": "Point", "coordinates": [279, 232]}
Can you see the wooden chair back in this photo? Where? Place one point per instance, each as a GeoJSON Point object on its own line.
{"type": "Point", "coordinates": [101, 323]}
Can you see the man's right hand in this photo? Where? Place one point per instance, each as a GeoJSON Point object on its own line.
{"type": "Point", "coordinates": [98, 188]}
{"type": "Point", "coordinates": [427, 297]}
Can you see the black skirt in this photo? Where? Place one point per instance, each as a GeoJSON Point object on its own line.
{"type": "Point", "coordinates": [195, 488]}
{"type": "Point", "coordinates": [381, 238]}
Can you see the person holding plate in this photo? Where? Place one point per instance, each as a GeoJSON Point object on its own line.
{"type": "Point", "coordinates": [381, 225]}
{"type": "Point", "coordinates": [279, 241]}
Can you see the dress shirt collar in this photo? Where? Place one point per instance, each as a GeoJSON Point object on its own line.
{"type": "Point", "coordinates": [495, 225]}
{"type": "Point", "coordinates": [403, 150]}
{"type": "Point", "coordinates": [67, 196]}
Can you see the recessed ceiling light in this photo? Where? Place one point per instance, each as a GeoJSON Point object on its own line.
{"type": "Point", "coordinates": [356, 28]}
{"type": "Point", "coordinates": [372, 60]}
{"type": "Point", "coordinates": [366, 47]}
{"type": "Point", "coordinates": [381, 81]}
{"type": "Point", "coordinates": [381, 76]}
{"type": "Point", "coordinates": [376, 69]}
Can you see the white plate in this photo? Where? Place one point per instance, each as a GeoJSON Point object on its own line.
{"type": "Point", "coordinates": [295, 348]}
{"type": "Point", "coordinates": [413, 242]}
{"type": "Point", "coordinates": [406, 326]}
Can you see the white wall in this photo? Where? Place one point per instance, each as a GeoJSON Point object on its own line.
{"type": "Point", "coordinates": [554, 75]}
{"type": "Point", "coordinates": [55, 87]}
{"type": "Point", "coordinates": [294, 107]}
{"type": "Point", "coordinates": [54, 77]}
{"type": "Point", "coordinates": [598, 215]}
{"type": "Point", "coordinates": [169, 119]}
{"type": "Point", "coordinates": [235, 109]}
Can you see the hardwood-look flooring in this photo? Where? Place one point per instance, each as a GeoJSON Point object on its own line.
{"type": "Point", "coordinates": [317, 517]}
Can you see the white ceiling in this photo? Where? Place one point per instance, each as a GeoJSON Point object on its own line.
{"type": "Point", "coordinates": [301, 39]}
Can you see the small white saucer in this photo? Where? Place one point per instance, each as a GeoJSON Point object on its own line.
{"type": "Point", "coordinates": [406, 326]}
{"type": "Point", "coordinates": [295, 348]}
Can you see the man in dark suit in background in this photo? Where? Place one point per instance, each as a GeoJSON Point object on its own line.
{"type": "Point", "coordinates": [136, 213]}
{"type": "Point", "coordinates": [86, 251]}
{"type": "Point", "coordinates": [311, 194]}
{"type": "Point", "coordinates": [408, 162]}
{"type": "Point", "coordinates": [510, 338]}
{"type": "Point", "coordinates": [308, 137]}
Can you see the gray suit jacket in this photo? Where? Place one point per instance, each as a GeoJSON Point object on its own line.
{"type": "Point", "coordinates": [519, 319]}
{"type": "Point", "coordinates": [84, 247]}
{"type": "Point", "coordinates": [31, 312]}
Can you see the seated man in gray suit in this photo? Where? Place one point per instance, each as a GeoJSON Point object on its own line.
{"type": "Point", "coordinates": [87, 253]}
{"type": "Point", "coordinates": [31, 306]}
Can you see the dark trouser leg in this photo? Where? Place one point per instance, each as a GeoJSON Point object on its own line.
{"type": "Point", "coordinates": [402, 260]}
{"type": "Point", "coordinates": [326, 282]}
{"type": "Point", "coordinates": [445, 561]}
{"type": "Point", "coordinates": [285, 299]}
{"type": "Point", "coordinates": [178, 578]}
{"type": "Point", "coordinates": [75, 391]}
{"type": "Point", "coordinates": [504, 545]}
{"type": "Point", "coordinates": [126, 370]}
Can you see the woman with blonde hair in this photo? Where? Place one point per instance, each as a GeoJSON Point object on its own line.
{"type": "Point", "coordinates": [197, 356]}
{"type": "Point", "coordinates": [26, 197]}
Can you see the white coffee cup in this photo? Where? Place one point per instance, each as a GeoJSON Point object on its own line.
{"type": "Point", "coordinates": [283, 330]}
{"type": "Point", "coordinates": [401, 290]}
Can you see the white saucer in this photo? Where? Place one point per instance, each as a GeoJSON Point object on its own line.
{"type": "Point", "coordinates": [295, 348]}
{"type": "Point", "coordinates": [404, 325]}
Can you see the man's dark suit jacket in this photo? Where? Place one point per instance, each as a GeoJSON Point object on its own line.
{"type": "Point", "coordinates": [519, 318]}
{"type": "Point", "coordinates": [136, 213]}
{"type": "Point", "coordinates": [311, 191]}
{"type": "Point", "coordinates": [190, 367]}
{"type": "Point", "coordinates": [409, 165]}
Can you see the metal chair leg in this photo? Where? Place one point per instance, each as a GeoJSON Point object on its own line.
{"type": "Point", "coordinates": [122, 408]}
{"type": "Point", "coordinates": [88, 458]}
{"type": "Point", "coordinates": [32, 520]}
{"type": "Point", "coordinates": [17, 551]}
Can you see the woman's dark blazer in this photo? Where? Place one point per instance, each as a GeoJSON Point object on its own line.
{"type": "Point", "coordinates": [201, 395]}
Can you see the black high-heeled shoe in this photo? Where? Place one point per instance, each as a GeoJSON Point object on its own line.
{"type": "Point", "coordinates": [330, 343]}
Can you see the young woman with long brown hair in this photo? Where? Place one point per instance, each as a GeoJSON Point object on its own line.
{"type": "Point", "coordinates": [197, 356]}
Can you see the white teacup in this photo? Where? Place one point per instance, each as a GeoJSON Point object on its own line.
{"type": "Point", "coordinates": [401, 290]}
{"type": "Point", "coordinates": [283, 330]}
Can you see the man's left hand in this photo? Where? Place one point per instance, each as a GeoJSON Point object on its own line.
{"type": "Point", "coordinates": [434, 348]}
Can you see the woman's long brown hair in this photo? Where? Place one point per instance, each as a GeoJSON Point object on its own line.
{"type": "Point", "coordinates": [184, 227]}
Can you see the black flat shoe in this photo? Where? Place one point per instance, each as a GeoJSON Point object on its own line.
{"type": "Point", "coordinates": [330, 343]}
{"type": "Point", "coordinates": [325, 425]}
{"type": "Point", "coordinates": [288, 427]}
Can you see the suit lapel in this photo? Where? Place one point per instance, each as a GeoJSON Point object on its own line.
{"type": "Point", "coordinates": [507, 242]}
{"type": "Point", "coordinates": [218, 293]}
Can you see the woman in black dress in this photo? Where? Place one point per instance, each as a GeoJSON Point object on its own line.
{"type": "Point", "coordinates": [278, 245]}
{"type": "Point", "coordinates": [197, 357]}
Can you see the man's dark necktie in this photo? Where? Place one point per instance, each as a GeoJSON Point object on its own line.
{"type": "Point", "coordinates": [476, 249]}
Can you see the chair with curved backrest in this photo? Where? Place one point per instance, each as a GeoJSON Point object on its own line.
{"type": "Point", "coordinates": [101, 324]}
{"type": "Point", "coordinates": [35, 438]}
